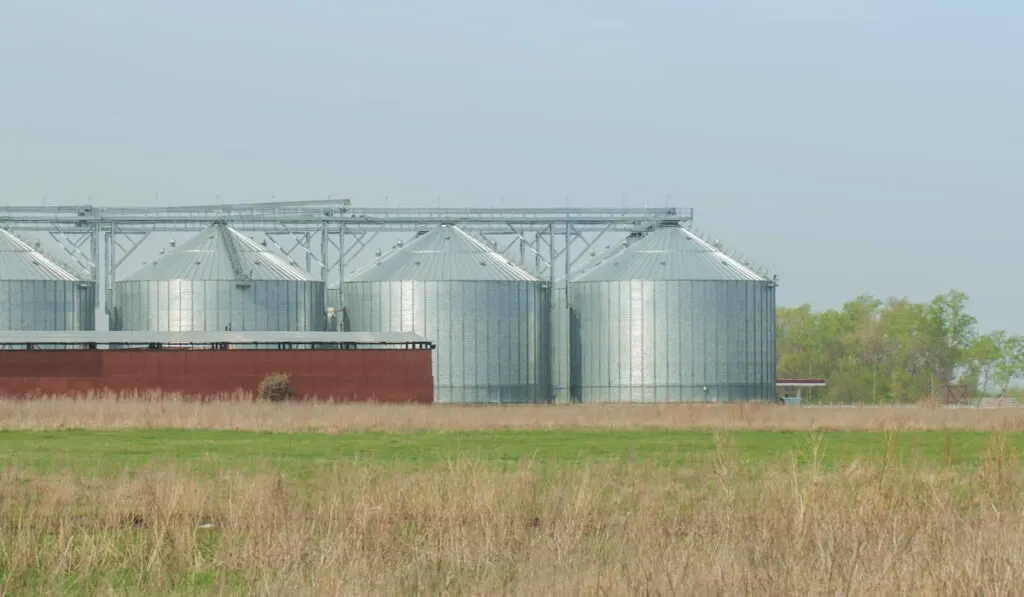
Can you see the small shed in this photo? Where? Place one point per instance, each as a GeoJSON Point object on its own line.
{"type": "Point", "coordinates": [791, 389]}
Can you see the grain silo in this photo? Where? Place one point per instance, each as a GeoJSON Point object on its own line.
{"type": "Point", "coordinates": [36, 294]}
{"type": "Point", "coordinates": [670, 318]}
{"type": "Point", "coordinates": [219, 280]}
{"type": "Point", "coordinates": [487, 316]}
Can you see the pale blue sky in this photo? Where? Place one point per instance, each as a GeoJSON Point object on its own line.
{"type": "Point", "coordinates": [855, 147]}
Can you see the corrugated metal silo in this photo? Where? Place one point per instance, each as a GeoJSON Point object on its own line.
{"type": "Point", "coordinates": [564, 361]}
{"type": "Point", "coordinates": [36, 294]}
{"type": "Point", "coordinates": [670, 318]}
{"type": "Point", "coordinates": [220, 279]}
{"type": "Point", "coordinates": [487, 316]}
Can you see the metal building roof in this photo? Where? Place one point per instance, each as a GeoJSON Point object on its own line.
{"type": "Point", "coordinates": [147, 337]}
{"type": "Point", "coordinates": [446, 253]}
{"type": "Point", "coordinates": [19, 261]}
{"type": "Point", "coordinates": [670, 253]}
{"type": "Point", "coordinates": [220, 253]}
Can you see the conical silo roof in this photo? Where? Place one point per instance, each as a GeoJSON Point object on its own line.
{"type": "Point", "coordinates": [446, 253]}
{"type": "Point", "coordinates": [670, 253]}
{"type": "Point", "coordinates": [220, 253]}
{"type": "Point", "coordinates": [19, 261]}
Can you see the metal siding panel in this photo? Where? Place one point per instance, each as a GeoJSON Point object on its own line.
{"type": "Point", "coordinates": [736, 351]}
{"type": "Point", "coordinates": [481, 339]}
{"type": "Point", "coordinates": [502, 373]}
{"type": "Point", "coordinates": [455, 365]}
{"type": "Point", "coordinates": [589, 363]}
{"type": "Point", "coordinates": [60, 307]}
{"type": "Point", "coordinates": [488, 329]}
{"type": "Point", "coordinates": [9, 318]}
{"type": "Point", "coordinates": [230, 311]}
{"type": "Point", "coordinates": [609, 323]}
{"type": "Point", "coordinates": [42, 304]}
{"type": "Point", "coordinates": [633, 304]}
{"type": "Point", "coordinates": [590, 314]}
{"type": "Point", "coordinates": [29, 293]}
{"type": "Point", "coordinates": [674, 308]}
{"type": "Point", "coordinates": [262, 306]}
{"type": "Point", "coordinates": [518, 350]}
{"type": "Point", "coordinates": [620, 327]}
{"type": "Point", "coordinates": [404, 295]}
{"type": "Point", "coordinates": [195, 320]}
{"type": "Point", "coordinates": [700, 340]}
{"type": "Point", "coordinates": [157, 316]}
{"type": "Point", "coordinates": [585, 354]}
{"type": "Point", "coordinates": [22, 297]}
{"type": "Point", "coordinates": [89, 305]}
{"type": "Point", "coordinates": [721, 353]}
{"type": "Point", "coordinates": [473, 347]}
{"type": "Point", "coordinates": [175, 305]}
{"type": "Point", "coordinates": [470, 323]}
{"type": "Point", "coordinates": [207, 318]}
{"type": "Point", "coordinates": [594, 313]}
{"type": "Point", "coordinates": [7, 292]}
{"type": "Point", "coordinates": [499, 345]}
{"type": "Point", "coordinates": [750, 356]}
{"type": "Point", "coordinates": [662, 319]}
{"type": "Point", "coordinates": [540, 376]}
{"type": "Point", "coordinates": [770, 326]}
{"type": "Point", "coordinates": [36, 310]}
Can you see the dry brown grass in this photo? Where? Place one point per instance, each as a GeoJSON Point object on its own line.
{"type": "Point", "coordinates": [156, 411]}
{"type": "Point", "coordinates": [468, 529]}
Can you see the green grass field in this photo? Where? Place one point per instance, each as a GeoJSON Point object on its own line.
{"type": "Point", "coordinates": [301, 453]}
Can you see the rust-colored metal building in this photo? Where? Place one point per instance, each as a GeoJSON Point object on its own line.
{"type": "Point", "coordinates": [328, 366]}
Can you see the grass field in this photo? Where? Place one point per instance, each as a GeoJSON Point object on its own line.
{"type": "Point", "coordinates": [635, 500]}
{"type": "Point", "coordinates": [304, 454]}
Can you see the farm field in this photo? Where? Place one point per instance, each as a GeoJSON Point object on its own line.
{"type": "Point", "coordinates": [308, 454]}
{"type": "Point", "coordinates": [182, 498]}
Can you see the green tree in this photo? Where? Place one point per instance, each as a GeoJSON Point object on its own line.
{"type": "Point", "coordinates": [949, 330]}
{"type": "Point", "coordinates": [982, 358]}
{"type": "Point", "coordinates": [1010, 365]}
{"type": "Point", "coordinates": [894, 350]}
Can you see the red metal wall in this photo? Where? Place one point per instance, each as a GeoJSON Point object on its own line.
{"type": "Point", "coordinates": [341, 375]}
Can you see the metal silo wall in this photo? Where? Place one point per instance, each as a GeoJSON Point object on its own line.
{"type": "Point", "coordinates": [186, 305]}
{"type": "Point", "coordinates": [664, 341]}
{"type": "Point", "coordinates": [47, 305]}
{"type": "Point", "coordinates": [491, 336]}
{"type": "Point", "coordinates": [337, 320]}
{"type": "Point", "coordinates": [561, 350]}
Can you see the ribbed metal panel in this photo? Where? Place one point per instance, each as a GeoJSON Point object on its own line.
{"type": "Point", "coordinates": [47, 305]}
{"type": "Point", "coordinates": [487, 317]}
{"type": "Point", "coordinates": [684, 323]}
{"type": "Point", "coordinates": [561, 326]}
{"type": "Point", "coordinates": [489, 336]}
{"type": "Point", "coordinates": [194, 306]}
{"type": "Point", "coordinates": [670, 253]}
{"type": "Point", "coordinates": [36, 294]}
{"type": "Point", "coordinates": [443, 254]}
{"type": "Point", "coordinates": [219, 280]}
{"type": "Point", "coordinates": [208, 256]}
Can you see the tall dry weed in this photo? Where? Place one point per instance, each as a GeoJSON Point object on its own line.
{"type": "Point", "coordinates": [155, 410]}
{"type": "Point", "coordinates": [470, 529]}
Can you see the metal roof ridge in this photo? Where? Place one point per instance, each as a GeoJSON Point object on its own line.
{"type": "Point", "coordinates": [37, 260]}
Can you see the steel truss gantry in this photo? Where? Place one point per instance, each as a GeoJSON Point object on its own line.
{"type": "Point", "coordinates": [327, 236]}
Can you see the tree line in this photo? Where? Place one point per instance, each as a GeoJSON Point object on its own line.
{"type": "Point", "coordinates": [895, 350]}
